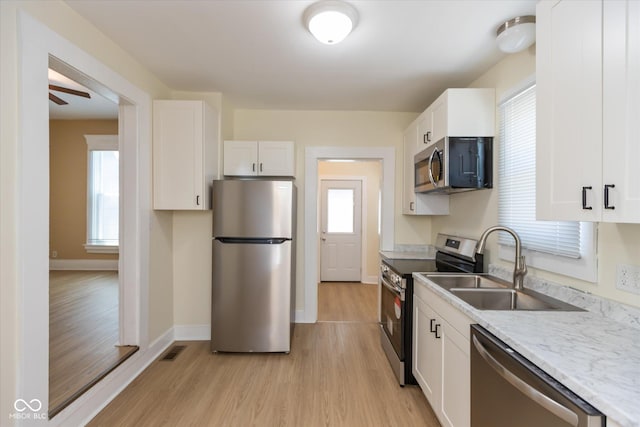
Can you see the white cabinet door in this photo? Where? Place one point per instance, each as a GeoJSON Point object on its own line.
{"type": "Point", "coordinates": [439, 114]}
{"type": "Point", "coordinates": [621, 110]}
{"type": "Point", "coordinates": [276, 158]}
{"type": "Point", "coordinates": [425, 129]}
{"type": "Point", "coordinates": [427, 353]}
{"type": "Point", "coordinates": [456, 374]}
{"type": "Point", "coordinates": [569, 110]}
{"type": "Point", "coordinates": [253, 158]}
{"type": "Point", "coordinates": [410, 136]}
{"type": "Point", "coordinates": [241, 158]}
{"type": "Point", "coordinates": [184, 154]}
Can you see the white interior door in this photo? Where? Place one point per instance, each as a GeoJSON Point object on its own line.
{"type": "Point", "coordinates": [341, 231]}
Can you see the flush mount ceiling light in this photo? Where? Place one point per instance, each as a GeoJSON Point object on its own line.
{"type": "Point", "coordinates": [517, 34]}
{"type": "Point", "coordinates": [330, 21]}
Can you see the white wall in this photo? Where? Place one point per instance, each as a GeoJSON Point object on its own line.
{"type": "Point", "coordinates": [617, 243]}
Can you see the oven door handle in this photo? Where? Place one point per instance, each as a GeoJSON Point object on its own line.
{"type": "Point", "coordinates": [543, 400]}
{"type": "Point", "coordinates": [398, 291]}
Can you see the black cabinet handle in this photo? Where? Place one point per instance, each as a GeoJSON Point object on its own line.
{"type": "Point", "coordinates": [584, 198]}
{"type": "Point", "coordinates": [606, 196]}
{"type": "Point", "coordinates": [426, 138]}
{"type": "Point", "coordinates": [437, 331]}
{"type": "Point", "coordinates": [431, 328]}
{"type": "Point", "coordinates": [198, 200]}
{"type": "Point", "coordinates": [260, 166]}
{"type": "Point", "coordinates": [411, 206]}
{"type": "Point", "coordinates": [253, 167]}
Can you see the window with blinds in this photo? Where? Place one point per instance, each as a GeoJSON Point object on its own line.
{"type": "Point", "coordinates": [517, 184]}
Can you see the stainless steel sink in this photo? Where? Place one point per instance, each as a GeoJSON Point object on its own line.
{"type": "Point", "coordinates": [490, 293]}
{"type": "Point", "coordinates": [449, 281]}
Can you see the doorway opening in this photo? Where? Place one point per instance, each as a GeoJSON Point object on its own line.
{"type": "Point", "coordinates": [349, 239]}
{"type": "Point", "coordinates": [85, 203]}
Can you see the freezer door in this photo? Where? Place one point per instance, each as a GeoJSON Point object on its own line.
{"type": "Point", "coordinates": [253, 208]}
{"type": "Point", "coordinates": [251, 297]}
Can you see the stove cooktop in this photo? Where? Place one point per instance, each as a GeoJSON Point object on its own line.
{"type": "Point", "coordinates": [405, 267]}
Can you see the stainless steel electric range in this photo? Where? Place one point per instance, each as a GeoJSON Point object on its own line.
{"type": "Point", "coordinates": [454, 254]}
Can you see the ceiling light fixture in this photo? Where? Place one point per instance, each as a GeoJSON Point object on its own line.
{"type": "Point", "coordinates": [517, 34]}
{"type": "Point", "coordinates": [330, 21]}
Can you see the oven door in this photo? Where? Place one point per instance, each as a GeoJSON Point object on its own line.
{"type": "Point", "coordinates": [392, 311]}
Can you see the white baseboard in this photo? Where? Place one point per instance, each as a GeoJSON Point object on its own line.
{"type": "Point", "coordinates": [192, 332]}
{"type": "Point", "coordinates": [84, 264]}
{"type": "Point", "coordinates": [87, 406]}
{"type": "Point", "coordinates": [372, 280]}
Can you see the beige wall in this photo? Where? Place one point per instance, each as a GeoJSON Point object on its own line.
{"type": "Point", "coordinates": [372, 172]}
{"type": "Point", "coordinates": [68, 185]}
{"type": "Point", "coordinates": [617, 243]}
{"type": "Point", "coordinates": [64, 21]}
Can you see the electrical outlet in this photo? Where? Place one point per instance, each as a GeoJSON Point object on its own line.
{"type": "Point", "coordinates": [54, 254]}
{"type": "Point", "coordinates": [628, 278]}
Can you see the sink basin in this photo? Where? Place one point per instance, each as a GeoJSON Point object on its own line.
{"type": "Point", "coordinates": [473, 281]}
{"type": "Point", "coordinates": [510, 299]}
{"type": "Point", "coordinates": [490, 293]}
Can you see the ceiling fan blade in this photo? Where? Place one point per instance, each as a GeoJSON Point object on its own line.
{"type": "Point", "coordinates": [57, 100]}
{"type": "Point", "coordinates": [69, 91]}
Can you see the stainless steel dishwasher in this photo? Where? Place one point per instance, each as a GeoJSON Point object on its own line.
{"type": "Point", "coordinates": [508, 390]}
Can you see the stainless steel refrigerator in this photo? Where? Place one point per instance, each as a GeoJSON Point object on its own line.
{"type": "Point", "coordinates": [253, 286]}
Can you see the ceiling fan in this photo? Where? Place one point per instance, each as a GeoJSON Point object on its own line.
{"type": "Point", "coordinates": [61, 101]}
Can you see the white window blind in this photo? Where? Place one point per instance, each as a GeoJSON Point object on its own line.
{"type": "Point", "coordinates": [517, 185]}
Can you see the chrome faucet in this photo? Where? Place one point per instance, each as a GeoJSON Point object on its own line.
{"type": "Point", "coordinates": [520, 268]}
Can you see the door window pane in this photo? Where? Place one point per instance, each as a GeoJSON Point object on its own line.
{"type": "Point", "coordinates": [340, 204]}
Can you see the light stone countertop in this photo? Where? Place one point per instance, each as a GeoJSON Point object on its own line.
{"type": "Point", "coordinates": [410, 252]}
{"type": "Point", "coordinates": [595, 357]}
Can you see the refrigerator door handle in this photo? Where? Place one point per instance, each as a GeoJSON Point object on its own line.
{"type": "Point", "coordinates": [251, 241]}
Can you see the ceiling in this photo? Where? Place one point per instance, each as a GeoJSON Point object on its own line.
{"type": "Point", "coordinates": [96, 107]}
{"type": "Point", "coordinates": [400, 56]}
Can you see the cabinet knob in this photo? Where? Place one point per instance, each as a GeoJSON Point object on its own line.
{"type": "Point", "coordinates": [253, 167]}
{"type": "Point", "coordinates": [260, 166]}
{"type": "Point", "coordinates": [437, 331]}
{"type": "Point", "coordinates": [606, 196]}
{"type": "Point", "coordinates": [197, 200]}
{"type": "Point", "coordinates": [411, 206]}
{"type": "Point", "coordinates": [431, 322]}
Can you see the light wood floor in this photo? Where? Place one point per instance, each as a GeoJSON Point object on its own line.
{"type": "Point", "coordinates": [83, 332]}
{"type": "Point", "coordinates": [336, 375]}
{"type": "Point", "coordinates": [349, 302]}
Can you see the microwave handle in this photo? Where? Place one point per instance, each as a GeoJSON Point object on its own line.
{"type": "Point", "coordinates": [433, 181]}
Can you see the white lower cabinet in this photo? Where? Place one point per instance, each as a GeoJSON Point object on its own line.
{"type": "Point", "coordinates": [441, 361]}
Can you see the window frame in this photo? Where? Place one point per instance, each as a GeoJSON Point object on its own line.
{"type": "Point", "coordinates": [585, 267]}
{"type": "Point", "coordinates": [99, 143]}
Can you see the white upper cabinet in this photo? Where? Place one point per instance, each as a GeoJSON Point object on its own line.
{"type": "Point", "coordinates": [185, 154]}
{"type": "Point", "coordinates": [259, 158]}
{"type": "Point", "coordinates": [621, 110]}
{"type": "Point", "coordinates": [588, 96]}
{"type": "Point", "coordinates": [460, 112]}
{"type": "Point", "coordinates": [417, 203]}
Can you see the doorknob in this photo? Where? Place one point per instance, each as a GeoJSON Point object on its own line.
{"type": "Point", "coordinates": [324, 239]}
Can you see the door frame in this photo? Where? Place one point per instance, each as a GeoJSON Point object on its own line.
{"type": "Point", "coordinates": [38, 46]}
{"type": "Point", "coordinates": [363, 218]}
{"type": "Point", "coordinates": [312, 156]}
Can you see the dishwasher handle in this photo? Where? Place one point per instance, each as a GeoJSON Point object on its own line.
{"type": "Point", "coordinates": [543, 400]}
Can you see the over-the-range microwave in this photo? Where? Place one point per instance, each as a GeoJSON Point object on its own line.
{"type": "Point", "coordinates": [455, 164]}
